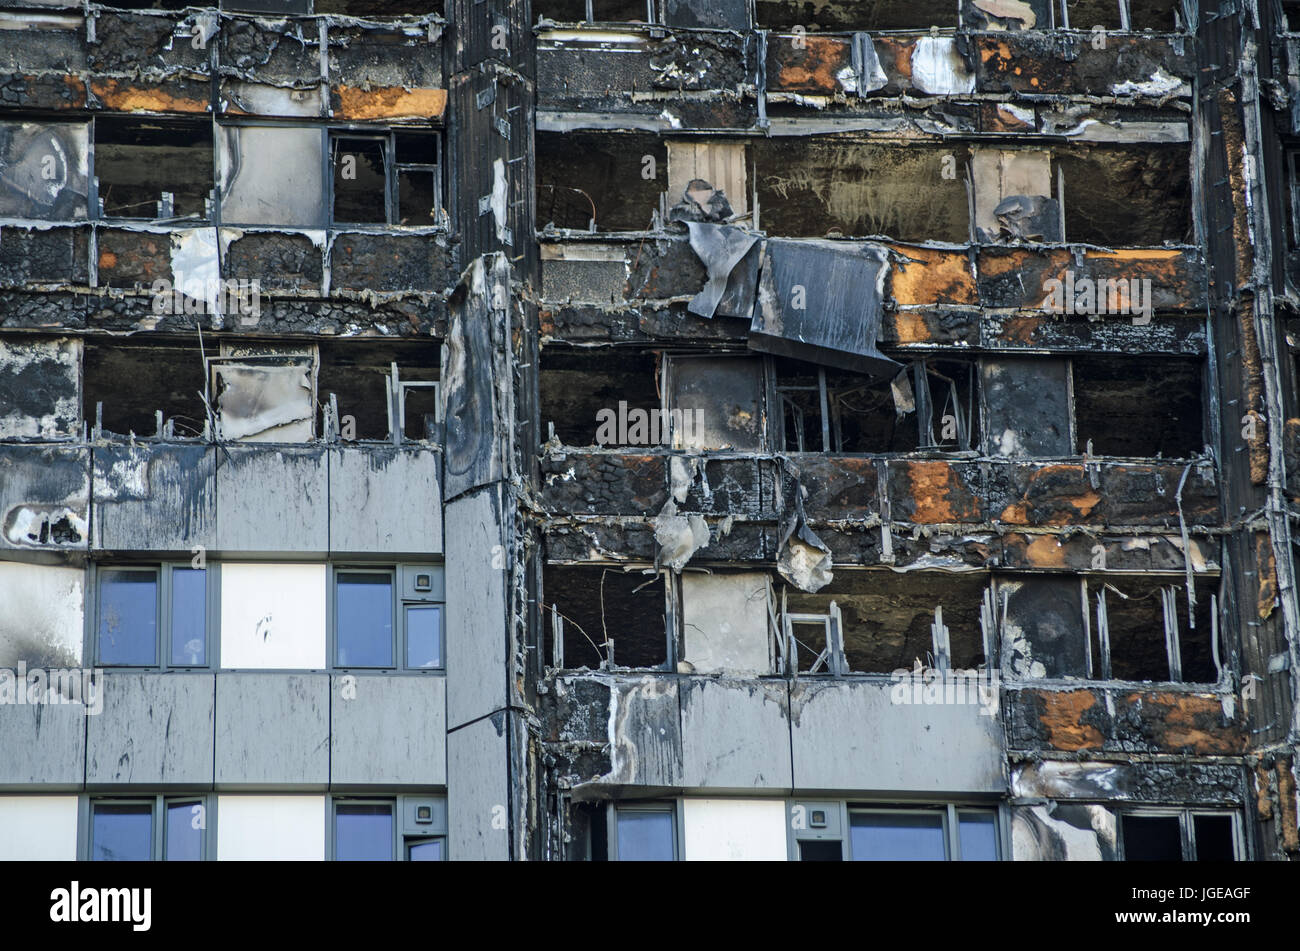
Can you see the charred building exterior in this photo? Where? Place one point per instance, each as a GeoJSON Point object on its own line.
{"type": "Point", "coordinates": [607, 429]}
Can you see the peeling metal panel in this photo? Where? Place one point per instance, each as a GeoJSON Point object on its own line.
{"type": "Point", "coordinates": [1056, 832]}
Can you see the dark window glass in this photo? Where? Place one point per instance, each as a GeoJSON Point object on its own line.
{"type": "Point", "coordinates": [877, 836]}
{"type": "Point", "coordinates": [185, 822]}
{"type": "Point", "coordinates": [360, 181]}
{"type": "Point", "coordinates": [363, 833]}
{"type": "Point", "coordinates": [128, 617]}
{"type": "Point", "coordinates": [425, 851]}
{"type": "Point", "coordinates": [424, 636]}
{"type": "Point", "coordinates": [364, 622]}
{"type": "Point", "coordinates": [122, 832]}
{"type": "Point", "coordinates": [1214, 839]}
{"type": "Point", "coordinates": [1152, 839]}
{"type": "Point", "coordinates": [979, 836]}
{"type": "Point", "coordinates": [416, 198]}
{"type": "Point", "coordinates": [645, 836]}
{"type": "Point", "coordinates": [189, 637]}
{"type": "Point", "coordinates": [821, 852]}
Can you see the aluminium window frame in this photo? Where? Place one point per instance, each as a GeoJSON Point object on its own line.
{"type": "Point", "coordinates": [387, 137]}
{"type": "Point", "coordinates": [164, 602]}
{"type": "Point", "coordinates": [950, 811]}
{"type": "Point", "coordinates": [403, 836]}
{"type": "Point", "coordinates": [159, 803]}
{"type": "Point", "coordinates": [671, 807]}
{"type": "Point", "coordinates": [398, 574]}
{"type": "Point", "coordinates": [1186, 827]}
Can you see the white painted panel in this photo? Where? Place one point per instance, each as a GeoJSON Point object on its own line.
{"type": "Point", "coordinates": [271, 828]}
{"type": "Point", "coordinates": [272, 616]}
{"type": "Point", "coordinates": [748, 830]}
{"type": "Point", "coordinates": [41, 622]}
{"type": "Point", "coordinates": [726, 622]}
{"type": "Point", "coordinates": [38, 828]}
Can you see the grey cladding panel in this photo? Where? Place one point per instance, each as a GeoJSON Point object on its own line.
{"type": "Point", "coordinates": [476, 608]}
{"type": "Point", "coordinates": [272, 499]}
{"type": "Point", "coordinates": [478, 790]}
{"type": "Point", "coordinates": [44, 498]}
{"type": "Point", "coordinates": [272, 730]}
{"type": "Point", "coordinates": [735, 734]}
{"type": "Point", "coordinates": [392, 731]}
{"type": "Point", "coordinates": [42, 744]}
{"type": "Point", "coordinates": [155, 729]}
{"type": "Point", "coordinates": [385, 500]}
{"type": "Point", "coordinates": [155, 498]}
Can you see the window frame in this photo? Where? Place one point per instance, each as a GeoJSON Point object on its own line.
{"type": "Point", "coordinates": [406, 830]}
{"type": "Point", "coordinates": [158, 803]}
{"type": "Point", "coordinates": [1186, 816]}
{"type": "Point", "coordinates": [671, 807]}
{"type": "Point", "coordinates": [839, 828]}
{"type": "Point", "coordinates": [402, 577]}
{"type": "Point", "coordinates": [387, 137]}
{"type": "Point", "coordinates": [164, 605]}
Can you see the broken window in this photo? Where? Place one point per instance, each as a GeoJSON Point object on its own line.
{"type": "Point", "coordinates": [377, 9]}
{"type": "Point", "coordinates": [153, 616]}
{"type": "Point", "coordinates": [1015, 196]}
{"type": "Point", "coordinates": [835, 411]}
{"type": "Point", "coordinates": [1109, 628]}
{"type": "Point", "coordinates": [600, 397]}
{"type": "Point", "coordinates": [1183, 835]}
{"type": "Point", "coordinates": [153, 169]}
{"type": "Point", "coordinates": [1087, 14]}
{"type": "Point", "coordinates": [887, 621]}
{"type": "Point", "coordinates": [833, 16]}
{"type": "Point", "coordinates": [1118, 196]}
{"type": "Point", "coordinates": [386, 179]}
{"type": "Point", "coordinates": [842, 186]}
{"type": "Point", "coordinates": [592, 181]}
{"type": "Point", "coordinates": [718, 401]}
{"type": "Point", "coordinates": [1129, 407]}
{"type": "Point", "coordinates": [265, 393]}
{"type": "Point", "coordinates": [44, 170]}
{"type": "Point", "coordinates": [596, 11]}
{"type": "Point", "coordinates": [709, 181]}
{"type": "Point", "coordinates": [144, 388]}
{"type": "Point", "coordinates": [371, 391]}
{"type": "Point", "coordinates": [599, 617]}
{"type": "Point", "coordinates": [1026, 406]}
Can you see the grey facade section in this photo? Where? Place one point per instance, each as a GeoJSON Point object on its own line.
{"type": "Point", "coordinates": [384, 501]}
{"type": "Point", "coordinates": [42, 745]}
{"type": "Point", "coordinates": [44, 498]}
{"type": "Point", "coordinates": [735, 734]}
{"type": "Point", "coordinates": [154, 498]}
{"type": "Point", "coordinates": [154, 730]}
{"type": "Point", "coordinates": [272, 501]}
{"type": "Point", "coordinates": [478, 790]}
{"type": "Point", "coordinates": [476, 607]}
{"type": "Point", "coordinates": [389, 730]}
{"type": "Point", "coordinates": [853, 736]}
{"type": "Point", "coordinates": [272, 730]}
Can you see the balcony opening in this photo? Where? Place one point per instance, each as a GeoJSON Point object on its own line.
{"type": "Point", "coordinates": [599, 181]}
{"type": "Point", "coordinates": [1129, 407]}
{"type": "Point", "coordinates": [132, 382]}
{"type": "Point", "coordinates": [355, 382]}
{"type": "Point", "coordinates": [1127, 197]}
{"type": "Point", "coordinates": [837, 186]}
{"type": "Point", "coordinates": [599, 397]}
{"type": "Point", "coordinates": [840, 16]}
{"type": "Point", "coordinates": [602, 617]}
{"type": "Point", "coordinates": [153, 169]}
